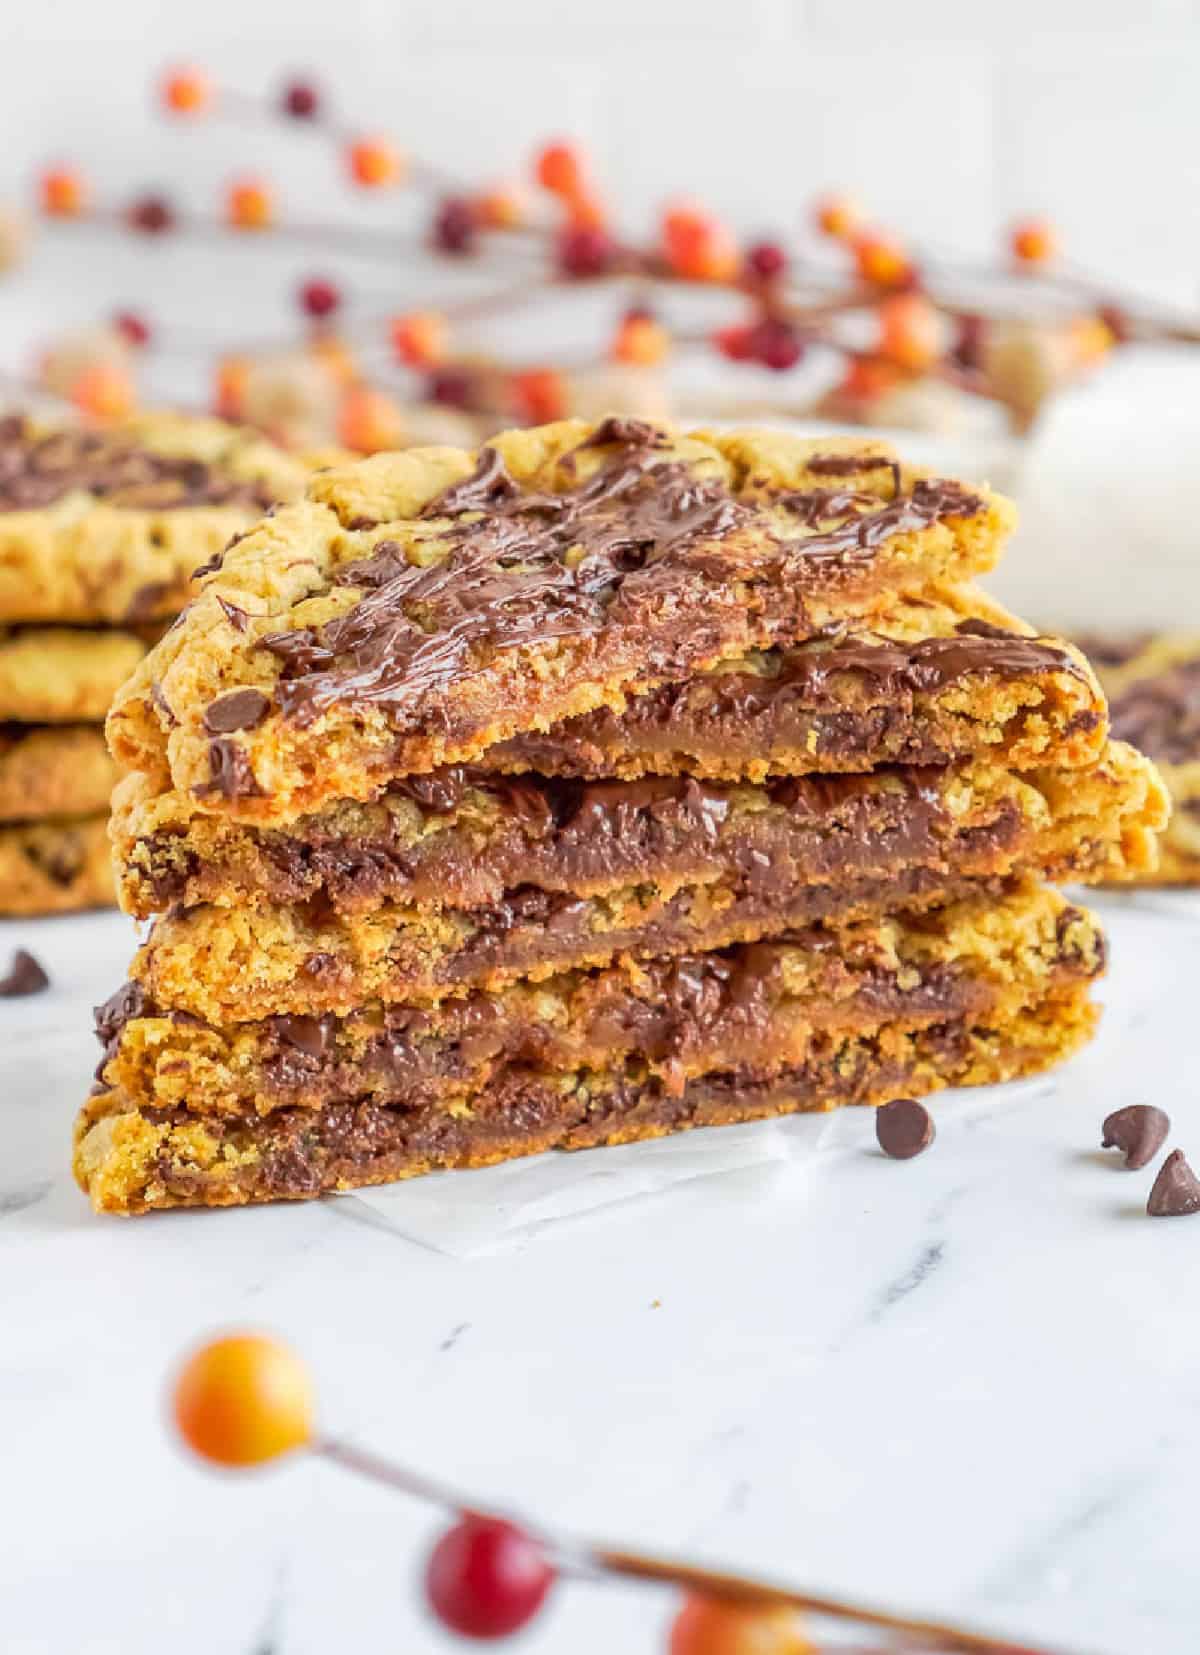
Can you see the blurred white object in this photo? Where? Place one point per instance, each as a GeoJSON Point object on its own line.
{"type": "Point", "coordinates": [1110, 502]}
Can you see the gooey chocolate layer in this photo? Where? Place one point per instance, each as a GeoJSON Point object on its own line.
{"type": "Point", "coordinates": [847, 701]}
{"type": "Point", "coordinates": [752, 1007]}
{"type": "Point", "coordinates": [37, 470]}
{"type": "Point", "coordinates": [1161, 714]}
{"type": "Point", "coordinates": [297, 1153]}
{"type": "Point", "coordinates": [575, 838]}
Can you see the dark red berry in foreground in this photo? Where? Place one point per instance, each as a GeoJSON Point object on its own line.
{"type": "Point", "coordinates": [320, 298]}
{"type": "Point", "coordinates": [450, 388]}
{"type": "Point", "coordinates": [152, 215]}
{"type": "Point", "coordinates": [583, 251]}
{"type": "Point", "coordinates": [300, 100]}
{"type": "Point", "coordinates": [455, 225]}
{"type": "Point", "coordinates": [776, 344]}
{"type": "Point", "coordinates": [132, 327]}
{"type": "Point", "coordinates": [487, 1578]}
{"type": "Point", "coordinates": [766, 260]}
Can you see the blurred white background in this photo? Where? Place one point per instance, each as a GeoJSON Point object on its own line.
{"type": "Point", "coordinates": [947, 119]}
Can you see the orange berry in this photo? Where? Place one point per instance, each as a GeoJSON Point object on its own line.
{"type": "Point", "coordinates": [909, 331]}
{"type": "Point", "coordinates": [369, 421]}
{"type": "Point", "coordinates": [501, 207]}
{"type": "Point", "coordinates": [585, 210]}
{"type": "Point", "coordinates": [710, 1626]}
{"type": "Point", "coordinates": [250, 205]}
{"type": "Point", "coordinates": [419, 338]}
{"type": "Point", "coordinates": [697, 245]}
{"type": "Point", "coordinates": [233, 374]}
{"type": "Point", "coordinates": [1034, 241]}
{"type": "Point", "coordinates": [882, 260]}
{"type": "Point", "coordinates": [1089, 338]}
{"type": "Point", "coordinates": [63, 193]}
{"type": "Point", "coordinates": [187, 91]}
{"type": "Point", "coordinates": [641, 340]}
{"type": "Point", "coordinates": [838, 216]}
{"type": "Point", "coordinates": [868, 377]}
{"type": "Point", "coordinates": [560, 168]}
{"type": "Point", "coordinates": [243, 1400]}
{"type": "Point", "coordinates": [375, 163]}
{"type": "Point", "coordinates": [104, 391]}
{"type": "Point", "coordinates": [540, 395]}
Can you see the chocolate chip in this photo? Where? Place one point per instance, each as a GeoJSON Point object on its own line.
{"type": "Point", "coordinates": [235, 710]}
{"type": "Point", "coordinates": [1138, 1131]}
{"type": "Point", "coordinates": [25, 977]}
{"type": "Point", "coordinates": [904, 1128]}
{"type": "Point", "coordinates": [1176, 1190]}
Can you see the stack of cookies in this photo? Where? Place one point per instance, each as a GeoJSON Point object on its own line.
{"type": "Point", "coordinates": [1153, 684]}
{"type": "Point", "coordinates": [607, 782]}
{"type": "Point", "coordinates": [99, 534]}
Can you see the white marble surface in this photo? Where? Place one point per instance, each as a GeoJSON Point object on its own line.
{"type": "Point", "coordinates": [967, 1383]}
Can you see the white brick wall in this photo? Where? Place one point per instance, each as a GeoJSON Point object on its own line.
{"type": "Point", "coordinates": [948, 116]}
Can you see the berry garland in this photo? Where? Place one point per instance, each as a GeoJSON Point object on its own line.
{"type": "Point", "coordinates": [244, 1400]}
{"type": "Point", "coordinates": [878, 320]}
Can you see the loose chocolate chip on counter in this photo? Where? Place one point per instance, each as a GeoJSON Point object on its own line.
{"type": "Point", "coordinates": [235, 710]}
{"type": "Point", "coordinates": [904, 1128]}
{"type": "Point", "coordinates": [1176, 1190]}
{"type": "Point", "coordinates": [25, 977]}
{"type": "Point", "coordinates": [1139, 1131]}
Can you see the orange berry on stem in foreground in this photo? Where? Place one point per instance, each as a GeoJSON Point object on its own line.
{"type": "Point", "coordinates": [540, 395]}
{"type": "Point", "coordinates": [243, 1400]}
{"type": "Point", "coordinates": [1033, 241]}
{"type": "Point", "coordinates": [250, 205]}
{"type": "Point", "coordinates": [640, 340]}
{"type": "Point", "coordinates": [419, 338]}
{"type": "Point", "coordinates": [62, 192]}
{"type": "Point", "coordinates": [187, 90]}
{"type": "Point", "coordinates": [585, 210]}
{"type": "Point", "coordinates": [369, 421]}
{"type": "Point", "coordinates": [712, 1626]}
{"type": "Point", "coordinates": [882, 260]}
{"type": "Point", "coordinates": [838, 216]}
{"type": "Point", "coordinates": [909, 331]}
{"type": "Point", "coordinates": [560, 168]}
{"type": "Point", "coordinates": [104, 391]}
{"type": "Point", "coordinates": [375, 163]}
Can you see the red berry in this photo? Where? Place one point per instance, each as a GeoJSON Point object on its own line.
{"type": "Point", "coordinates": [153, 215]}
{"type": "Point", "coordinates": [451, 388]}
{"type": "Point", "coordinates": [300, 100]}
{"type": "Point", "coordinates": [132, 327]}
{"type": "Point", "coordinates": [455, 225]}
{"type": "Point", "coordinates": [736, 343]}
{"type": "Point", "coordinates": [584, 252]}
{"type": "Point", "coordinates": [320, 298]}
{"type": "Point", "coordinates": [775, 344]}
{"type": "Point", "coordinates": [487, 1578]}
{"type": "Point", "coordinates": [560, 168]}
{"type": "Point", "coordinates": [766, 260]}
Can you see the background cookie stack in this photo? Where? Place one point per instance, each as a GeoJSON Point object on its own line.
{"type": "Point", "coordinates": [100, 531]}
{"type": "Point", "coordinates": [1153, 683]}
{"type": "Point", "coordinates": [608, 782]}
